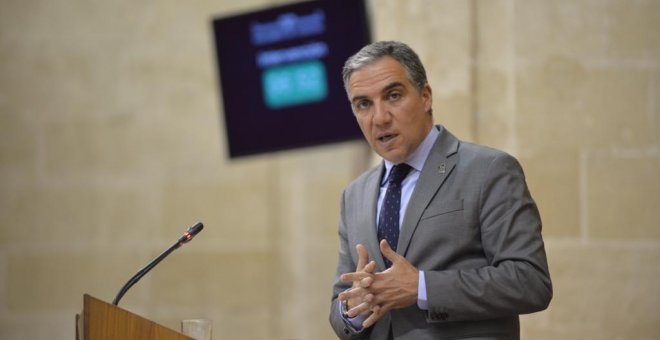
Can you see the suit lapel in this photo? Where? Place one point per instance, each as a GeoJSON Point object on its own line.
{"type": "Point", "coordinates": [438, 166]}
{"type": "Point", "coordinates": [368, 231]}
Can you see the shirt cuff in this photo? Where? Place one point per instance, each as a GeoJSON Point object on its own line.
{"type": "Point", "coordinates": [422, 300]}
{"type": "Point", "coordinates": [355, 323]}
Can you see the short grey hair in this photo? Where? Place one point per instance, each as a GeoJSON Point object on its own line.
{"type": "Point", "coordinates": [395, 49]}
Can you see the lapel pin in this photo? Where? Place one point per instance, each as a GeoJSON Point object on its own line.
{"type": "Point", "coordinates": [442, 168]}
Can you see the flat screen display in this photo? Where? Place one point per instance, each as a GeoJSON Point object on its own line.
{"type": "Point", "coordinates": [279, 71]}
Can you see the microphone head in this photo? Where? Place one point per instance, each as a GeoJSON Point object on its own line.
{"type": "Point", "coordinates": [194, 230]}
{"type": "Point", "coordinates": [190, 233]}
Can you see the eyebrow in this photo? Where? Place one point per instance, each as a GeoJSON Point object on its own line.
{"type": "Point", "coordinates": [384, 90]}
{"type": "Point", "coordinates": [391, 86]}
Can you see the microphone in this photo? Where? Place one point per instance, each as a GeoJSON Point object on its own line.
{"type": "Point", "coordinates": [187, 236]}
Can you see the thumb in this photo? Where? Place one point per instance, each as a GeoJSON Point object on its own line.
{"type": "Point", "coordinates": [363, 257]}
{"type": "Point", "coordinates": [388, 252]}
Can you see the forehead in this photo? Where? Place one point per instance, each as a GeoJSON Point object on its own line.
{"type": "Point", "coordinates": [376, 76]}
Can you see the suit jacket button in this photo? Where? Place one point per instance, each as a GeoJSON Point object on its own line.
{"type": "Point", "coordinates": [346, 331]}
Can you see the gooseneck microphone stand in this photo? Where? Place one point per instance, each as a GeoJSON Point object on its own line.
{"type": "Point", "coordinates": [187, 236]}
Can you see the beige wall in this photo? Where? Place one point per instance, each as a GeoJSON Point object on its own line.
{"type": "Point", "coordinates": [111, 144]}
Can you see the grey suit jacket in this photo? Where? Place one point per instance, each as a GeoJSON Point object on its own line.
{"type": "Point", "coordinates": [473, 228]}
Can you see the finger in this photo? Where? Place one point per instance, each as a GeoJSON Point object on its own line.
{"type": "Point", "coordinates": [388, 252]}
{"type": "Point", "coordinates": [357, 310]}
{"type": "Point", "coordinates": [350, 293]}
{"type": "Point", "coordinates": [370, 267]}
{"type": "Point", "coordinates": [363, 256]}
{"type": "Point", "coordinates": [368, 298]}
{"type": "Point", "coordinates": [366, 282]}
{"type": "Point", "coordinates": [372, 318]}
{"type": "Point", "coordinates": [357, 276]}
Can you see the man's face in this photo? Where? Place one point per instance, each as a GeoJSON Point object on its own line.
{"type": "Point", "coordinates": [392, 114]}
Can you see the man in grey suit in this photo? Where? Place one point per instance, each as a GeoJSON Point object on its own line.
{"type": "Point", "coordinates": [451, 251]}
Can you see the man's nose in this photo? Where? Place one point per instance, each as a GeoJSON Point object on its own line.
{"type": "Point", "coordinates": [381, 113]}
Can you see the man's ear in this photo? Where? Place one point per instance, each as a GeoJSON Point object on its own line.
{"type": "Point", "coordinates": [427, 97]}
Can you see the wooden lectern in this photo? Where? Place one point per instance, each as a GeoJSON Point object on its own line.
{"type": "Point", "coordinates": [101, 320]}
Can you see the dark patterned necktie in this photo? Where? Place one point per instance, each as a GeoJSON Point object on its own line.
{"type": "Point", "coordinates": [388, 221]}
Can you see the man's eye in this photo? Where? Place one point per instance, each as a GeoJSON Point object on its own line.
{"type": "Point", "coordinates": [393, 96]}
{"type": "Point", "coordinates": [362, 105]}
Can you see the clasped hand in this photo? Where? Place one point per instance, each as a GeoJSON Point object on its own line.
{"type": "Point", "coordinates": [381, 292]}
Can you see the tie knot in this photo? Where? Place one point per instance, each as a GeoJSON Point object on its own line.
{"type": "Point", "coordinates": [398, 173]}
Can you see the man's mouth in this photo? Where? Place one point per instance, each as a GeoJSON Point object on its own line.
{"type": "Point", "coordinates": [386, 138]}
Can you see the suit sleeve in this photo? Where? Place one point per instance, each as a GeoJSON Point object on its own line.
{"type": "Point", "coordinates": [346, 264]}
{"type": "Point", "coordinates": [516, 279]}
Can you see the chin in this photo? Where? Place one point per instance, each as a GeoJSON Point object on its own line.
{"type": "Point", "coordinates": [394, 158]}
{"type": "Point", "coordinates": [395, 155]}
